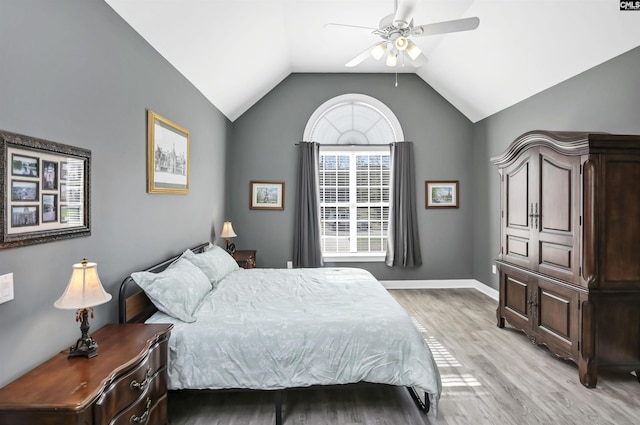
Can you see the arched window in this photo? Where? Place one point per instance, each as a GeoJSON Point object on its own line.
{"type": "Point", "coordinates": [353, 119]}
{"type": "Point", "coordinates": [354, 132]}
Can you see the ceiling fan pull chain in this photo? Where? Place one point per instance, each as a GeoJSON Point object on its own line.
{"type": "Point", "coordinates": [396, 79]}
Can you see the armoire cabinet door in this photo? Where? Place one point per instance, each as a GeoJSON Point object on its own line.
{"type": "Point", "coordinates": [519, 193]}
{"type": "Point", "coordinates": [515, 299]}
{"type": "Point", "coordinates": [541, 216]}
{"type": "Point", "coordinates": [557, 224]}
{"type": "Point", "coordinates": [556, 317]}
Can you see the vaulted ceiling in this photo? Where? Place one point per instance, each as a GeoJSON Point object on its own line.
{"type": "Point", "coordinates": [236, 51]}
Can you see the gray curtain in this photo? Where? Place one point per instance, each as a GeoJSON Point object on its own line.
{"type": "Point", "coordinates": [307, 251]}
{"type": "Point", "coordinates": [403, 245]}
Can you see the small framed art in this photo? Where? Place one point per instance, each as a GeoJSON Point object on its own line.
{"type": "Point", "coordinates": [442, 194]}
{"type": "Point", "coordinates": [167, 156]}
{"type": "Point", "coordinates": [267, 195]}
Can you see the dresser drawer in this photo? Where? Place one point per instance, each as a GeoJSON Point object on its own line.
{"type": "Point", "coordinates": [149, 410]}
{"type": "Point", "coordinates": [148, 379]}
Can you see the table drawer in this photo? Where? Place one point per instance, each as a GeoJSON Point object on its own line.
{"type": "Point", "coordinates": [149, 410]}
{"type": "Point", "coordinates": [147, 378]}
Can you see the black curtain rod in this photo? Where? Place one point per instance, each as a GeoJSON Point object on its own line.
{"type": "Point", "coordinates": [332, 145]}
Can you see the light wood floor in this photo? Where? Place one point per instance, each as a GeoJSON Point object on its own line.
{"type": "Point", "coordinates": [490, 376]}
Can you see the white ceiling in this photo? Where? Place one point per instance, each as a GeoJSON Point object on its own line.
{"type": "Point", "coordinates": [236, 51]}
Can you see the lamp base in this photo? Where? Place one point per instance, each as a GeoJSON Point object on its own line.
{"type": "Point", "coordinates": [86, 346]}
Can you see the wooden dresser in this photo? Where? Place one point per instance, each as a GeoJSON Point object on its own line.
{"type": "Point", "coordinates": [126, 383]}
{"type": "Point", "coordinates": [569, 259]}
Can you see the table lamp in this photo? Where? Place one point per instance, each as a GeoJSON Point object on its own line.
{"type": "Point", "coordinates": [227, 233]}
{"type": "Point", "coordinates": [83, 292]}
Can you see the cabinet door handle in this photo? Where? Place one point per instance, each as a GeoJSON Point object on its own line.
{"type": "Point", "coordinates": [135, 385]}
{"type": "Point", "coordinates": [145, 415]}
{"type": "Point", "coordinates": [533, 215]}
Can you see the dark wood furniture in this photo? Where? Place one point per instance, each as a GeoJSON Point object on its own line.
{"type": "Point", "coordinates": [245, 258]}
{"type": "Point", "coordinates": [569, 259]}
{"type": "Point", "coordinates": [126, 383]}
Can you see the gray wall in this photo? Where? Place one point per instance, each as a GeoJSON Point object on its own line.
{"type": "Point", "coordinates": [263, 149]}
{"type": "Point", "coordinates": [605, 99]}
{"type": "Point", "coordinates": [72, 71]}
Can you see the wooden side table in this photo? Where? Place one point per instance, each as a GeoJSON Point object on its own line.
{"type": "Point", "coordinates": [245, 258]}
{"type": "Point", "coordinates": [125, 383]}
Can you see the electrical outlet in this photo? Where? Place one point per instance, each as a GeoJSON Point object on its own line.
{"type": "Point", "coordinates": [6, 287]}
{"type": "Point", "coordinates": [494, 270]}
{"type": "Point", "coordinates": [289, 264]}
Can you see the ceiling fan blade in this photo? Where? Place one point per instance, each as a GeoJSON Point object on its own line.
{"type": "Point", "coordinates": [362, 56]}
{"type": "Point", "coordinates": [403, 13]}
{"type": "Point", "coordinates": [456, 25]}
{"type": "Point", "coordinates": [333, 24]}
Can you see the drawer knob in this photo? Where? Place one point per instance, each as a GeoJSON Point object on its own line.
{"type": "Point", "coordinates": [142, 418]}
{"type": "Point", "coordinates": [135, 385]}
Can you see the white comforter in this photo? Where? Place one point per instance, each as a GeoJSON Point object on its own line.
{"type": "Point", "coordinates": [282, 328]}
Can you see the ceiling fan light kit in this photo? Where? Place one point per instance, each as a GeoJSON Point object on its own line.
{"type": "Point", "coordinates": [395, 30]}
{"type": "Point", "coordinates": [401, 42]}
{"type": "Point", "coordinates": [413, 51]}
{"type": "Point", "coordinates": [378, 51]}
{"type": "Point", "coordinates": [392, 58]}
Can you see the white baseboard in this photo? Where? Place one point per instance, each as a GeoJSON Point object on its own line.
{"type": "Point", "coordinates": [439, 284]}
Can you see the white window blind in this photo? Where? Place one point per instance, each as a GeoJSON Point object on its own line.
{"type": "Point", "coordinates": [354, 201]}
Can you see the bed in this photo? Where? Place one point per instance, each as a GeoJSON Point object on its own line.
{"type": "Point", "coordinates": [275, 329]}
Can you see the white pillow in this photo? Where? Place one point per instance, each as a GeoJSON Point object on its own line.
{"type": "Point", "coordinates": [177, 290]}
{"type": "Point", "coordinates": [215, 262]}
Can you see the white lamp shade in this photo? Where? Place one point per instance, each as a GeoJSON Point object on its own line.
{"type": "Point", "coordinates": [413, 51]}
{"type": "Point", "coordinates": [84, 288]}
{"type": "Point", "coordinates": [227, 230]}
{"type": "Point", "coordinates": [401, 43]}
{"type": "Point", "coordinates": [392, 58]}
{"type": "Point", "coordinates": [378, 51]}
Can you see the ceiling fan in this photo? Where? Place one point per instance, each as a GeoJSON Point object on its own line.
{"type": "Point", "coordinates": [396, 31]}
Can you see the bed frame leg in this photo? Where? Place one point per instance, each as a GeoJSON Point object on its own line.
{"type": "Point", "coordinates": [278, 401]}
{"type": "Point", "coordinates": [423, 406]}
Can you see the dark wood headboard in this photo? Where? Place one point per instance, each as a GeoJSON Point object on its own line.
{"type": "Point", "coordinates": [134, 305]}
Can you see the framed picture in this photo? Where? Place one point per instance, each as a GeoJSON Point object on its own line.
{"type": "Point", "coordinates": [24, 190]}
{"type": "Point", "coordinates": [22, 165]}
{"type": "Point", "coordinates": [33, 197]}
{"type": "Point", "coordinates": [64, 172]}
{"type": "Point", "coordinates": [267, 195]}
{"type": "Point", "coordinates": [49, 175]}
{"type": "Point", "coordinates": [167, 156]}
{"type": "Point", "coordinates": [442, 194]}
{"type": "Point", "coordinates": [69, 214]}
{"type": "Point", "coordinates": [49, 208]}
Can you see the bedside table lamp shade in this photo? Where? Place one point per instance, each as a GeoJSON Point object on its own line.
{"type": "Point", "coordinates": [83, 292]}
{"type": "Point", "coordinates": [227, 233]}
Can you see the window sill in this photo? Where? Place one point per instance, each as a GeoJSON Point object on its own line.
{"type": "Point", "coordinates": [375, 258]}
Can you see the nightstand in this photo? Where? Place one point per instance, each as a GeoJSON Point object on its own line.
{"type": "Point", "coordinates": [245, 258]}
{"type": "Point", "coordinates": [125, 383]}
